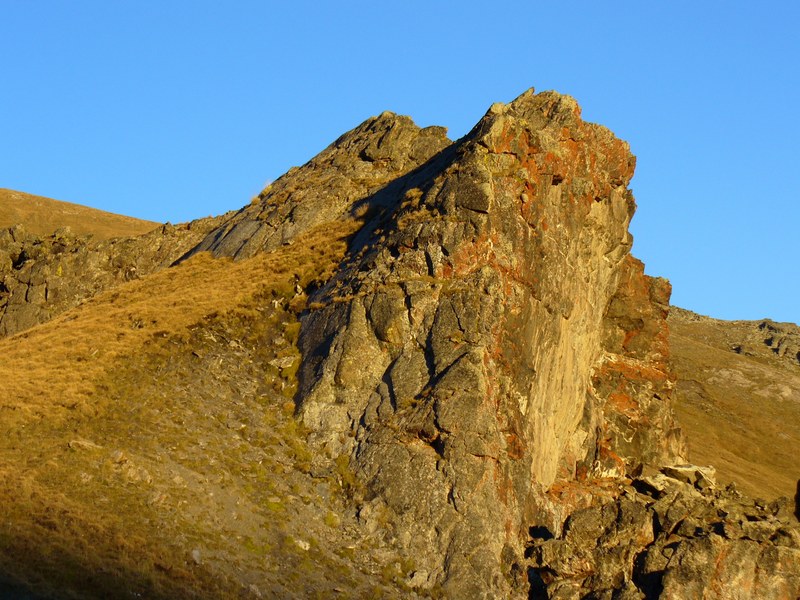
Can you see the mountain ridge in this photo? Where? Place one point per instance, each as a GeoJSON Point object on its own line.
{"type": "Point", "coordinates": [410, 368]}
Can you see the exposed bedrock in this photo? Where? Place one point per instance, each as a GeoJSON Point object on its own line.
{"type": "Point", "coordinates": [330, 186]}
{"type": "Point", "coordinates": [489, 335]}
{"type": "Point", "coordinates": [42, 277]}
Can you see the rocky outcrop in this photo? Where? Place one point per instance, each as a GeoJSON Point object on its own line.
{"type": "Point", "coordinates": [41, 277]}
{"type": "Point", "coordinates": [782, 339]}
{"type": "Point", "coordinates": [490, 336]}
{"type": "Point", "coordinates": [668, 535]}
{"type": "Point", "coordinates": [332, 185]}
{"type": "Point", "coordinates": [764, 339]}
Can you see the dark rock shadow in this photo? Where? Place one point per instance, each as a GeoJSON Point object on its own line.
{"type": "Point", "coordinates": [380, 207]}
{"type": "Point", "coordinates": [378, 211]}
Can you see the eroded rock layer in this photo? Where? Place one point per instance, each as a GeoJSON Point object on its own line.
{"type": "Point", "coordinates": [479, 344]}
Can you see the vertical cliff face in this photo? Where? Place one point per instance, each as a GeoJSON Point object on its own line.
{"type": "Point", "coordinates": [633, 382]}
{"type": "Point", "coordinates": [490, 335]}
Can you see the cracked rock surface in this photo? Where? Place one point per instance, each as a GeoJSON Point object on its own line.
{"type": "Point", "coordinates": [669, 535]}
{"type": "Point", "coordinates": [488, 336]}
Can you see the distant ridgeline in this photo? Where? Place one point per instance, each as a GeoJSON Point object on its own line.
{"type": "Point", "coordinates": [43, 216]}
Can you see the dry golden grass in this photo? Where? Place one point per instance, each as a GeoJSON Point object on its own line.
{"type": "Point", "coordinates": [146, 423]}
{"type": "Point", "coordinates": [69, 549]}
{"type": "Point", "coordinates": [739, 413]}
{"type": "Point", "coordinates": [43, 216]}
{"type": "Point", "coordinates": [52, 369]}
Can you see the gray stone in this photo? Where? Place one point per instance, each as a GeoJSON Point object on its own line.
{"type": "Point", "coordinates": [496, 326]}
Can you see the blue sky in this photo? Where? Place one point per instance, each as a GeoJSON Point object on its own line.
{"type": "Point", "coordinates": [177, 110]}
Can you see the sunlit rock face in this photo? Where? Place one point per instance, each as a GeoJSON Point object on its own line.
{"type": "Point", "coordinates": [489, 335]}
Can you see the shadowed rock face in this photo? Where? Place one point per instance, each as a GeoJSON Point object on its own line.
{"type": "Point", "coordinates": [328, 187]}
{"type": "Point", "coordinates": [490, 335]}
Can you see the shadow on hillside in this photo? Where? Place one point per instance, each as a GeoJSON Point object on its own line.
{"type": "Point", "coordinates": [10, 591]}
{"type": "Point", "coordinates": [378, 212]}
{"type": "Point", "coordinates": [797, 501]}
{"type": "Point", "coordinates": [378, 209]}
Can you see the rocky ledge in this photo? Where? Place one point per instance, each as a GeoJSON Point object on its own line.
{"type": "Point", "coordinates": [672, 534]}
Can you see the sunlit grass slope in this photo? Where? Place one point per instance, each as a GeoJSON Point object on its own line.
{"type": "Point", "coordinates": [739, 411]}
{"type": "Point", "coordinates": [42, 216]}
{"type": "Point", "coordinates": [148, 446]}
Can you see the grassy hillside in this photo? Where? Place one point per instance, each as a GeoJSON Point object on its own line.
{"type": "Point", "coordinates": [148, 446]}
{"type": "Point", "coordinates": [43, 216]}
{"type": "Point", "coordinates": [738, 401]}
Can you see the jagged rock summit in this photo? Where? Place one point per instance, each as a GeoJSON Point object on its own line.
{"type": "Point", "coordinates": [486, 373]}
{"type": "Point", "coordinates": [489, 336]}
{"type": "Point", "coordinates": [331, 186]}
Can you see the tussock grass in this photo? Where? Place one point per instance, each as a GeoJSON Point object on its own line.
{"type": "Point", "coordinates": [60, 543]}
{"type": "Point", "coordinates": [149, 422]}
{"type": "Point", "coordinates": [51, 370]}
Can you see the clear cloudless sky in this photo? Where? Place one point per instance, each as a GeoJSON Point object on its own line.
{"type": "Point", "coordinates": [174, 110]}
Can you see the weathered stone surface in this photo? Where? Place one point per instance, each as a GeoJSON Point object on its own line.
{"type": "Point", "coordinates": [634, 380]}
{"type": "Point", "coordinates": [672, 542]}
{"type": "Point", "coordinates": [333, 184]}
{"type": "Point", "coordinates": [466, 357]}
